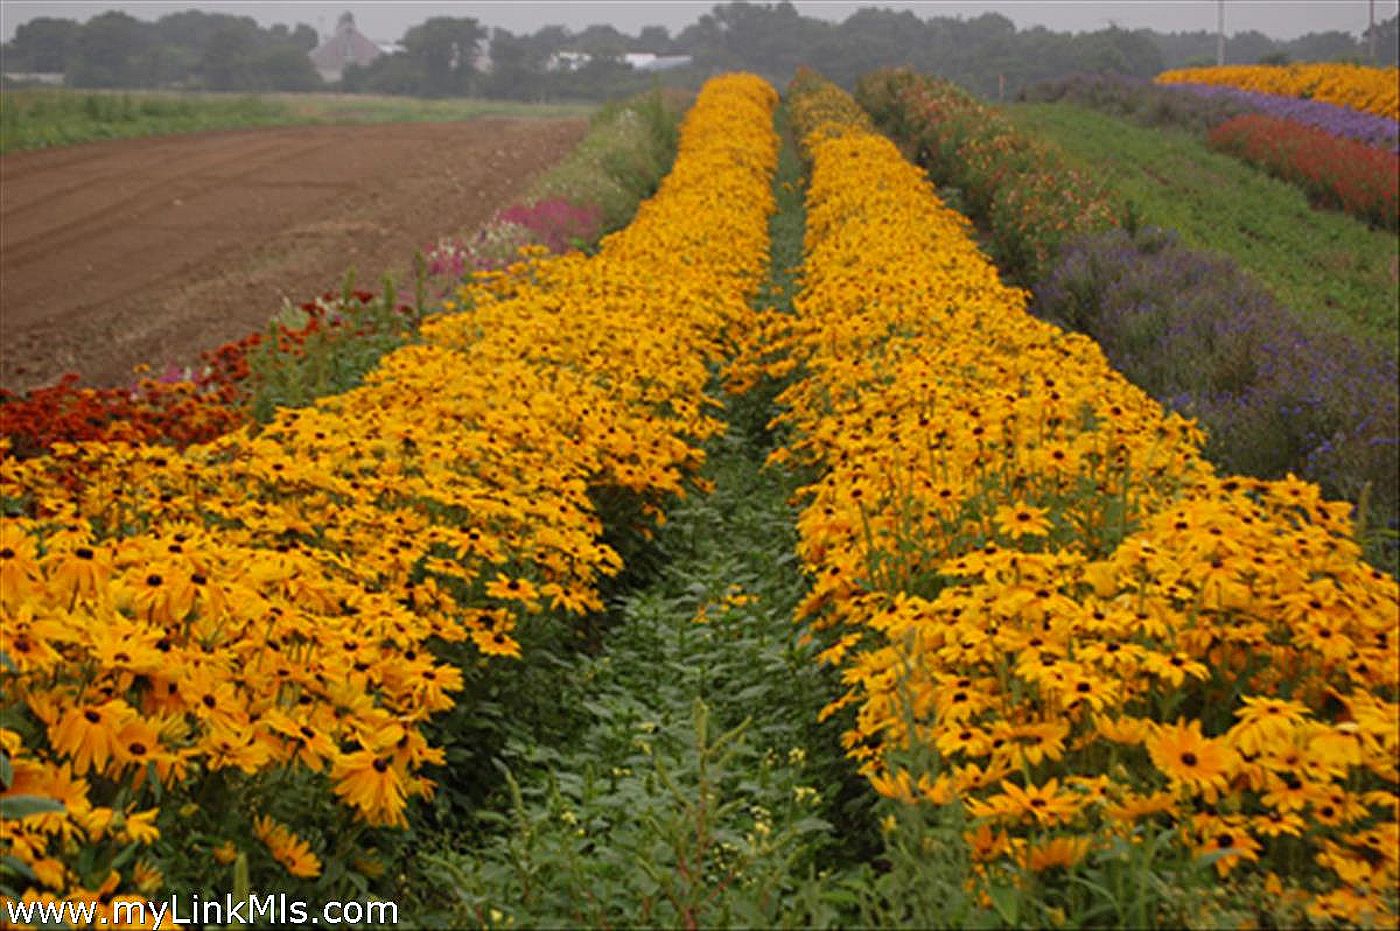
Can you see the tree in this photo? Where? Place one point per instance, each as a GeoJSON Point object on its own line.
{"type": "Point", "coordinates": [164, 65]}
{"type": "Point", "coordinates": [1387, 41]}
{"type": "Point", "coordinates": [105, 49]}
{"type": "Point", "coordinates": [1245, 48]}
{"type": "Point", "coordinates": [229, 60]}
{"type": "Point", "coordinates": [285, 67]}
{"type": "Point", "coordinates": [1325, 46]}
{"type": "Point", "coordinates": [191, 29]}
{"type": "Point", "coordinates": [387, 74]}
{"type": "Point", "coordinates": [1113, 49]}
{"type": "Point", "coordinates": [654, 39]}
{"type": "Point", "coordinates": [445, 50]}
{"type": "Point", "coordinates": [304, 37]}
{"type": "Point", "coordinates": [601, 42]}
{"type": "Point", "coordinates": [517, 67]}
{"type": "Point", "coordinates": [42, 45]}
{"type": "Point", "coordinates": [868, 39]}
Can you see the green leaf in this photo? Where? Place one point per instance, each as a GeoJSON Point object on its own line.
{"type": "Point", "coordinates": [22, 806]}
{"type": "Point", "coordinates": [7, 773]}
{"type": "Point", "coordinates": [18, 867]}
{"type": "Point", "coordinates": [1006, 904]}
{"type": "Point", "coordinates": [128, 853]}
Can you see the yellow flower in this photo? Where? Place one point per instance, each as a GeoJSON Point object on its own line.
{"type": "Point", "coordinates": [1265, 723]}
{"type": "Point", "coordinates": [1191, 761]}
{"type": "Point", "coordinates": [1228, 839]}
{"type": "Point", "coordinates": [1057, 853]}
{"type": "Point", "coordinates": [1046, 805]}
{"type": "Point", "coordinates": [370, 783]}
{"type": "Point", "coordinates": [1124, 730]}
{"type": "Point", "coordinates": [287, 849]}
{"type": "Point", "coordinates": [141, 827]}
{"type": "Point", "coordinates": [1019, 520]}
{"type": "Point", "coordinates": [147, 878]}
{"type": "Point", "coordinates": [89, 734]}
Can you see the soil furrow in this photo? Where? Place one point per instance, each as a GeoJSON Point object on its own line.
{"type": "Point", "coordinates": [152, 250]}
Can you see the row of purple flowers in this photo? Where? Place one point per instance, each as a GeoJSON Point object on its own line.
{"type": "Point", "coordinates": [1202, 107]}
{"type": "Point", "coordinates": [1343, 122]}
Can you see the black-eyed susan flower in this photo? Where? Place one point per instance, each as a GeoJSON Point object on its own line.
{"type": "Point", "coordinates": [1193, 762]}
{"type": "Point", "coordinates": [1019, 519]}
{"type": "Point", "coordinates": [286, 848]}
{"type": "Point", "coordinates": [89, 733]}
{"type": "Point", "coordinates": [370, 782]}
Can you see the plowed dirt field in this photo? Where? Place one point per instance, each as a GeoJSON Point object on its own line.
{"type": "Point", "coordinates": [151, 250]}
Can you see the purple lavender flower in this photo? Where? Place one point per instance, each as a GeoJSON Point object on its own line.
{"type": "Point", "coordinates": [1275, 394]}
{"type": "Point", "coordinates": [1345, 122]}
{"type": "Point", "coordinates": [1202, 107]}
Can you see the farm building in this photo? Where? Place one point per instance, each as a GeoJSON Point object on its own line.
{"type": "Point", "coordinates": [346, 46]}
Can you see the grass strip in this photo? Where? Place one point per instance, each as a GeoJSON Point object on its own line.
{"type": "Point", "coordinates": [692, 785]}
{"type": "Point", "coordinates": [1321, 265]}
{"type": "Point", "coordinates": [47, 118]}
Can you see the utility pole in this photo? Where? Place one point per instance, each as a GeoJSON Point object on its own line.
{"type": "Point", "coordinates": [1220, 32]}
{"type": "Point", "coordinates": [1371, 33]}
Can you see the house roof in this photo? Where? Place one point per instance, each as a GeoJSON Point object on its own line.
{"type": "Point", "coordinates": [347, 45]}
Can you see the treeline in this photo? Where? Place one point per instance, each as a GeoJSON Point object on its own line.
{"type": "Point", "coordinates": [209, 51]}
{"type": "Point", "coordinates": [449, 56]}
{"type": "Point", "coordinates": [985, 54]}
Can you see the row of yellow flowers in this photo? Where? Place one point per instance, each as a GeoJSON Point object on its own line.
{"type": "Point", "coordinates": [1031, 578]}
{"type": "Point", "coordinates": [1373, 90]}
{"type": "Point", "coordinates": [190, 637]}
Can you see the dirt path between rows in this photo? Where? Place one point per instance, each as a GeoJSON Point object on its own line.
{"type": "Point", "coordinates": [151, 250]}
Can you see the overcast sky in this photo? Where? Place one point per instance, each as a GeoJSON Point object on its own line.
{"type": "Point", "coordinates": [384, 20]}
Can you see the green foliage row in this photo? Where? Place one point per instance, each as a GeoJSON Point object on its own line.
{"type": "Point", "coordinates": [45, 118]}
{"type": "Point", "coordinates": [1026, 198]}
{"type": "Point", "coordinates": [677, 775]}
{"type": "Point", "coordinates": [1328, 267]}
{"type": "Point", "coordinates": [41, 119]}
{"type": "Point", "coordinates": [629, 148]}
{"type": "Point", "coordinates": [687, 794]}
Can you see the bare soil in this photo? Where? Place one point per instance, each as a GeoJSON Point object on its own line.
{"type": "Point", "coordinates": [152, 250]}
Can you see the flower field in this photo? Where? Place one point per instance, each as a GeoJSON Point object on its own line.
{"type": "Point", "coordinates": [1336, 120]}
{"type": "Point", "coordinates": [1039, 584]}
{"type": "Point", "coordinates": [1344, 159]}
{"type": "Point", "coordinates": [250, 620]}
{"type": "Point", "coordinates": [1340, 173]}
{"type": "Point", "coordinates": [1264, 379]}
{"type": "Point", "coordinates": [1372, 90]}
{"type": "Point", "coordinates": [769, 564]}
{"type": "Point", "coordinates": [1032, 200]}
{"type": "Point", "coordinates": [1202, 107]}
